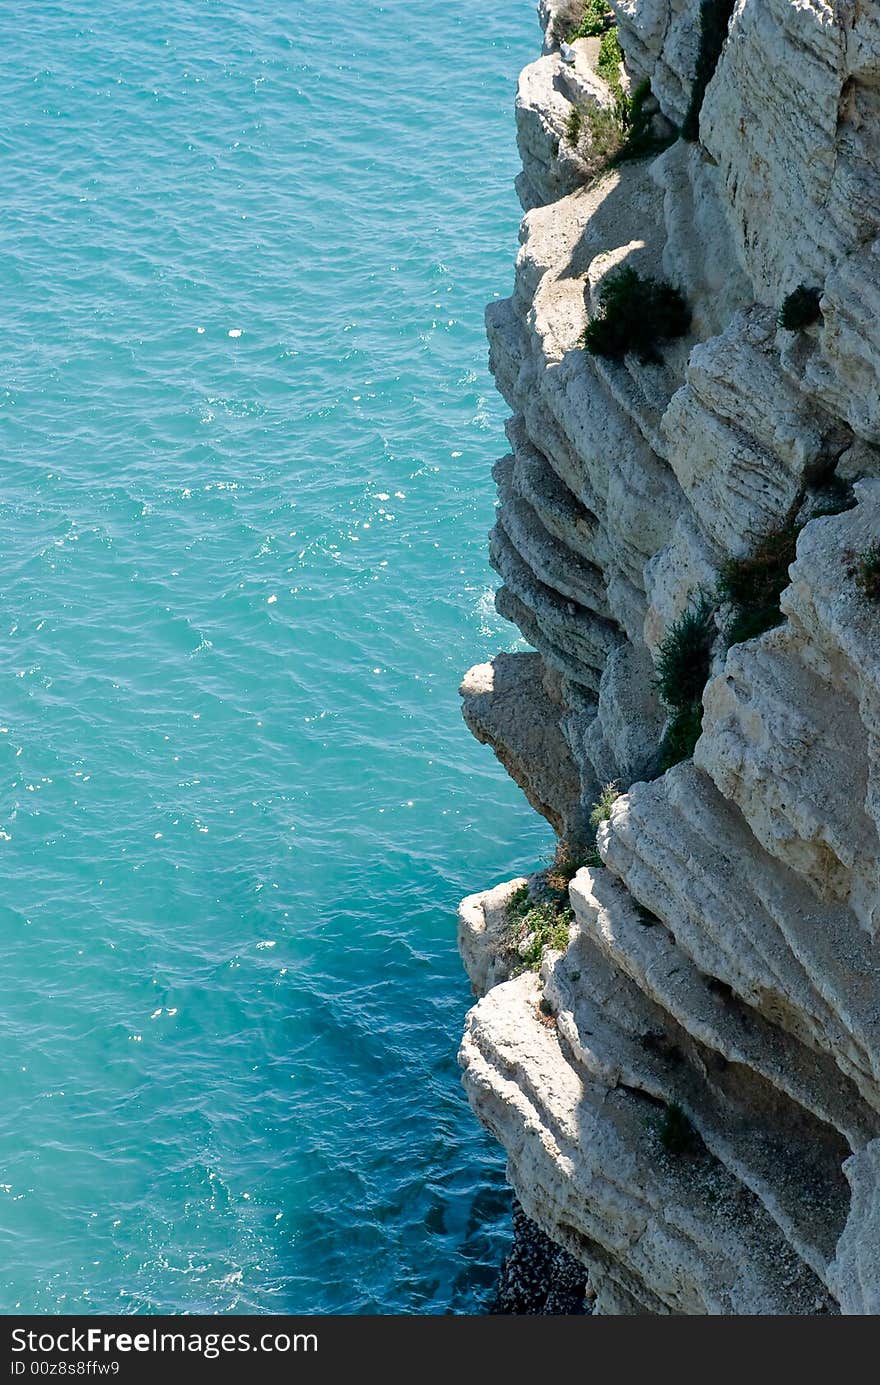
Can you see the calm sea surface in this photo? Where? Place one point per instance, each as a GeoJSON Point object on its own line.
{"type": "Point", "coordinates": [247, 430]}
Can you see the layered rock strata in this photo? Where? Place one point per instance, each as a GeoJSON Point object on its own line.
{"type": "Point", "coordinates": [689, 1093]}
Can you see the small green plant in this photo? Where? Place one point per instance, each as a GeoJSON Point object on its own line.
{"type": "Point", "coordinates": [635, 314]}
{"type": "Point", "coordinates": [753, 585]}
{"type": "Point", "coordinates": [607, 133]}
{"type": "Point", "coordinates": [675, 1130]}
{"type": "Point", "coordinates": [715, 18]}
{"type": "Point", "coordinates": [800, 309]}
{"type": "Point", "coordinates": [680, 737]}
{"type": "Point", "coordinates": [601, 812]}
{"type": "Point", "coordinates": [684, 655]}
{"type": "Point", "coordinates": [609, 59]}
{"type": "Point", "coordinates": [683, 662]}
{"type": "Point", "coordinates": [533, 926]}
{"type": "Point", "coordinates": [622, 131]}
{"type": "Point", "coordinates": [640, 140]}
{"type": "Point", "coordinates": [865, 571]}
{"type": "Point", "coordinates": [564, 868]}
{"type": "Point", "coordinates": [596, 17]}
{"type": "Point", "coordinates": [518, 903]}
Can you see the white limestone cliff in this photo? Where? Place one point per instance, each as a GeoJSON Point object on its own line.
{"type": "Point", "coordinates": [723, 963]}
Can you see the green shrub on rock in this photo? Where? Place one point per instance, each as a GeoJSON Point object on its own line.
{"type": "Point", "coordinates": [623, 130]}
{"type": "Point", "coordinates": [865, 570]}
{"type": "Point", "coordinates": [684, 655]}
{"type": "Point", "coordinates": [683, 662]}
{"type": "Point", "coordinates": [607, 128]}
{"type": "Point", "coordinates": [640, 138]}
{"type": "Point", "coordinates": [595, 18]}
{"type": "Point", "coordinates": [680, 737]}
{"type": "Point", "coordinates": [609, 60]}
{"type": "Point", "coordinates": [604, 128]}
{"type": "Point", "coordinates": [800, 309]}
{"type": "Point", "coordinates": [574, 126]}
{"type": "Point", "coordinates": [533, 926]}
{"type": "Point", "coordinates": [601, 812]}
{"type": "Point", "coordinates": [635, 314]}
{"type": "Point", "coordinates": [564, 867]}
{"type": "Point", "coordinates": [753, 585]}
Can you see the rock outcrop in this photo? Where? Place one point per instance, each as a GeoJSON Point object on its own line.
{"type": "Point", "coordinates": [689, 1093]}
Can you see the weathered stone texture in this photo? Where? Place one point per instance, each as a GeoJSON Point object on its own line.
{"type": "Point", "coordinates": [724, 960]}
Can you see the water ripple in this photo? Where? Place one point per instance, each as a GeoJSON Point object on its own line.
{"type": "Point", "coordinates": [248, 432]}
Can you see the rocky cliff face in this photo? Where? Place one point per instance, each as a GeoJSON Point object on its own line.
{"type": "Point", "coordinates": [689, 1092]}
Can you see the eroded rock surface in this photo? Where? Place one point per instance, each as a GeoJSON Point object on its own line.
{"type": "Point", "coordinates": [689, 1092]}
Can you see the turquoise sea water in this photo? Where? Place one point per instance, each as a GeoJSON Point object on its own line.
{"type": "Point", "coordinates": [247, 432]}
